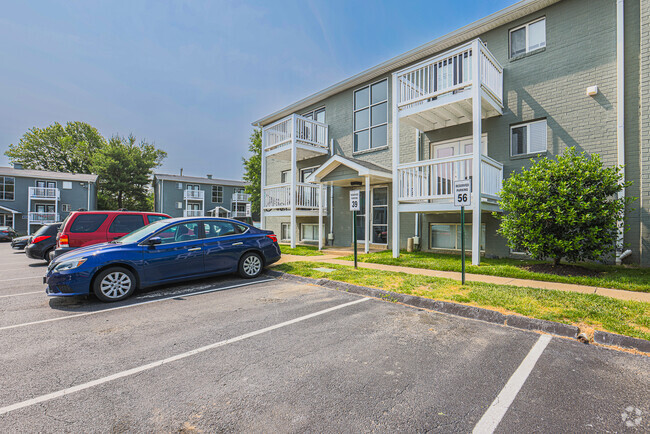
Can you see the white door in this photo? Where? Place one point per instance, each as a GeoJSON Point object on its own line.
{"type": "Point", "coordinates": [448, 172]}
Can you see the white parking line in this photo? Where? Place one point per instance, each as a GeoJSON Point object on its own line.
{"type": "Point", "coordinates": [148, 366]}
{"type": "Point", "coordinates": [500, 405]}
{"type": "Point", "coordinates": [21, 278]}
{"type": "Point", "coordinates": [132, 305]}
{"type": "Point", "coordinates": [22, 293]}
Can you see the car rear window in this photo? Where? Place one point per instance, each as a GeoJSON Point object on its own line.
{"type": "Point", "coordinates": [86, 223]}
{"type": "Point", "coordinates": [155, 218]}
{"type": "Point", "coordinates": [126, 223]}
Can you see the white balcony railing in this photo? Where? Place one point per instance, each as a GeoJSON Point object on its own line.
{"type": "Point", "coordinates": [193, 213]}
{"type": "Point", "coordinates": [450, 72]}
{"type": "Point", "coordinates": [434, 179]}
{"type": "Point", "coordinates": [305, 131]}
{"type": "Point", "coordinates": [193, 194]}
{"type": "Point", "coordinates": [42, 218]}
{"type": "Point", "coordinates": [239, 214]}
{"type": "Point", "coordinates": [307, 196]}
{"type": "Point", "coordinates": [44, 193]}
{"type": "Point", "coordinates": [241, 197]}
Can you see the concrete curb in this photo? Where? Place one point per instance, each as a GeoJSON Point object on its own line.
{"type": "Point", "coordinates": [477, 313]}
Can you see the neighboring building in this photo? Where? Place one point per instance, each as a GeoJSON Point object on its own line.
{"type": "Point", "coordinates": [31, 198]}
{"type": "Point", "coordinates": [190, 196]}
{"type": "Point", "coordinates": [477, 103]}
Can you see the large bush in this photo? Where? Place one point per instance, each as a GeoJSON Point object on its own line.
{"type": "Point", "coordinates": [568, 207]}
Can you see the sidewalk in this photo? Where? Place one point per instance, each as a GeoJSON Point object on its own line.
{"type": "Point", "coordinates": [608, 292]}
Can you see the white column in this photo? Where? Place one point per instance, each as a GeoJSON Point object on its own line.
{"type": "Point", "coordinates": [294, 127]}
{"type": "Point", "coordinates": [321, 198]}
{"type": "Point", "coordinates": [262, 182]}
{"type": "Point", "coordinates": [476, 154]}
{"type": "Point", "coordinates": [368, 219]}
{"type": "Point", "coordinates": [395, 126]}
{"type": "Point", "coordinates": [29, 210]}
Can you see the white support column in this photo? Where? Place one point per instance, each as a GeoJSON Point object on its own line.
{"type": "Point", "coordinates": [263, 182]}
{"type": "Point", "coordinates": [29, 211]}
{"type": "Point", "coordinates": [395, 126]}
{"type": "Point", "coordinates": [321, 198]}
{"type": "Point", "coordinates": [476, 154]}
{"type": "Point", "coordinates": [368, 217]}
{"type": "Point", "coordinates": [294, 127]}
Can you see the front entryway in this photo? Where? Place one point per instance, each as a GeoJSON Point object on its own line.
{"type": "Point", "coordinates": [378, 218]}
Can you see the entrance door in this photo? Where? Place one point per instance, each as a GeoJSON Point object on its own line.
{"type": "Point", "coordinates": [361, 219]}
{"type": "Point", "coordinates": [379, 226]}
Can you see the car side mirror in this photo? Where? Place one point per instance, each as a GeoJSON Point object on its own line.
{"type": "Point", "coordinates": [153, 241]}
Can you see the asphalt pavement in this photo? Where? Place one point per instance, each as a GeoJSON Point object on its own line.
{"type": "Point", "coordinates": [267, 355]}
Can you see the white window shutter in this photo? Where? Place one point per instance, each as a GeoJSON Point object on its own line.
{"type": "Point", "coordinates": [537, 137]}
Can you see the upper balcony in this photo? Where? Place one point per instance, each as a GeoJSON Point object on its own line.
{"type": "Point", "coordinates": [241, 197]}
{"type": "Point", "coordinates": [437, 92]}
{"type": "Point", "coordinates": [44, 193]}
{"type": "Point", "coordinates": [193, 213]}
{"type": "Point", "coordinates": [43, 218]}
{"type": "Point", "coordinates": [307, 199]}
{"type": "Point", "coordinates": [310, 138]}
{"type": "Point", "coordinates": [193, 195]}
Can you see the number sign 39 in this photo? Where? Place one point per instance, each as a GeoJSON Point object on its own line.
{"type": "Point", "coordinates": [463, 192]}
{"type": "Point", "coordinates": [355, 200]}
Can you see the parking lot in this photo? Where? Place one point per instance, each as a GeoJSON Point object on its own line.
{"type": "Point", "coordinates": [273, 355]}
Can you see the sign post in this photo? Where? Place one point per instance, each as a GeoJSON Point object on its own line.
{"type": "Point", "coordinates": [355, 205]}
{"type": "Point", "coordinates": [462, 198]}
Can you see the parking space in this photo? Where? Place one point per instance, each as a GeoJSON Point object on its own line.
{"type": "Point", "coordinates": [230, 355]}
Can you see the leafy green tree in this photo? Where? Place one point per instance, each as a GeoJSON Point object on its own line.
{"type": "Point", "coordinates": [568, 207]}
{"type": "Point", "coordinates": [253, 170]}
{"type": "Point", "coordinates": [125, 169]}
{"type": "Point", "coordinates": [58, 148]}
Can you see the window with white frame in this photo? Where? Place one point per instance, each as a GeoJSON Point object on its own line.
{"type": "Point", "coordinates": [67, 185]}
{"type": "Point", "coordinates": [309, 232]}
{"type": "Point", "coordinates": [7, 187]}
{"type": "Point", "coordinates": [217, 193]}
{"type": "Point", "coordinates": [179, 205]}
{"type": "Point", "coordinates": [179, 185]}
{"type": "Point", "coordinates": [371, 116]}
{"type": "Point", "coordinates": [65, 207]}
{"type": "Point", "coordinates": [317, 115]}
{"type": "Point", "coordinates": [528, 138]}
{"type": "Point", "coordinates": [448, 236]}
{"type": "Point", "coordinates": [285, 235]}
{"type": "Point", "coordinates": [527, 38]}
{"type": "Point", "coordinates": [285, 176]}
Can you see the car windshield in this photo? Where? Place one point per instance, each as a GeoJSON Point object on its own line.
{"type": "Point", "coordinates": [141, 233]}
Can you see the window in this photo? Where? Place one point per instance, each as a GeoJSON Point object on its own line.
{"type": "Point", "coordinates": [7, 186]}
{"type": "Point", "coordinates": [304, 173]}
{"type": "Point", "coordinates": [123, 224]}
{"type": "Point", "coordinates": [46, 184]}
{"type": "Point", "coordinates": [285, 176]}
{"type": "Point", "coordinates": [309, 232]}
{"type": "Point", "coordinates": [528, 37]}
{"type": "Point", "coordinates": [67, 185]}
{"type": "Point", "coordinates": [220, 229]}
{"type": "Point", "coordinates": [86, 223]}
{"type": "Point", "coordinates": [179, 205]}
{"type": "Point", "coordinates": [447, 236]}
{"type": "Point", "coordinates": [217, 193]}
{"type": "Point", "coordinates": [361, 217]}
{"type": "Point", "coordinates": [528, 138]}
{"type": "Point", "coordinates": [317, 115]}
{"type": "Point", "coordinates": [239, 190]}
{"type": "Point", "coordinates": [380, 215]}
{"type": "Point", "coordinates": [179, 185]}
{"type": "Point", "coordinates": [285, 234]}
{"type": "Point", "coordinates": [371, 116]}
{"type": "Point", "coordinates": [65, 207]}
{"type": "Point", "coordinates": [179, 233]}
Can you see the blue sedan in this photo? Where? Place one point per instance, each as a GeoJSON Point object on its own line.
{"type": "Point", "coordinates": [163, 252]}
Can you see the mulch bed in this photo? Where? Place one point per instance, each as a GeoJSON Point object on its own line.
{"type": "Point", "coordinates": [561, 270]}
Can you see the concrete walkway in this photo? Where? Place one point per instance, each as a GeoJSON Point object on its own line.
{"type": "Point", "coordinates": [608, 292]}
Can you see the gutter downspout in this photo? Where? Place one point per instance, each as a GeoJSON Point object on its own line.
{"type": "Point", "coordinates": [620, 114]}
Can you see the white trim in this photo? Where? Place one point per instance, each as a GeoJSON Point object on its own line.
{"type": "Point", "coordinates": [526, 26]}
{"type": "Point", "coordinates": [12, 211]}
{"type": "Point", "coordinates": [325, 169]}
{"type": "Point", "coordinates": [369, 108]}
{"type": "Point", "coordinates": [528, 142]}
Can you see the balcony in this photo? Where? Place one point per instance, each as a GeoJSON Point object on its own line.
{"type": "Point", "coordinates": [234, 214]}
{"type": "Point", "coordinates": [310, 138]}
{"type": "Point", "coordinates": [43, 193]}
{"type": "Point", "coordinates": [278, 197]}
{"type": "Point", "coordinates": [193, 213]}
{"type": "Point", "coordinates": [436, 93]}
{"type": "Point", "coordinates": [432, 181]}
{"type": "Point", "coordinates": [193, 195]}
{"type": "Point", "coordinates": [241, 197]}
{"type": "Point", "coordinates": [42, 218]}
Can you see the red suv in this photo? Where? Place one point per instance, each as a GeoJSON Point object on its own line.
{"type": "Point", "coordinates": [84, 228]}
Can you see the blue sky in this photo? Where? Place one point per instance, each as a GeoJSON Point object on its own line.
{"type": "Point", "coordinates": [191, 76]}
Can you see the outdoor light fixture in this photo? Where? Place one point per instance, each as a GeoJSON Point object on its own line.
{"type": "Point", "coordinates": [592, 90]}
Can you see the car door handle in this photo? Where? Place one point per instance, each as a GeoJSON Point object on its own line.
{"type": "Point", "coordinates": [237, 244]}
{"type": "Point", "coordinates": [194, 249]}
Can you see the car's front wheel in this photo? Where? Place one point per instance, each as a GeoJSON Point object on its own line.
{"type": "Point", "coordinates": [250, 265]}
{"type": "Point", "coordinates": [114, 284]}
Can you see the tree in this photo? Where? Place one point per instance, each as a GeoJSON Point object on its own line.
{"type": "Point", "coordinates": [125, 170]}
{"type": "Point", "coordinates": [57, 148]}
{"type": "Point", "coordinates": [253, 170]}
{"type": "Point", "coordinates": [568, 207]}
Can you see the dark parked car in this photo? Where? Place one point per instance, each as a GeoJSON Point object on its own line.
{"type": "Point", "coordinates": [85, 228]}
{"type": "Point", "coordinates": [20, 242]}
{"type": "Point", "coordinates": [7, 233]}
{"type": "Point", "coordinates": [43, 242]}
{"type": "Point", "coordinates": [166, 251]}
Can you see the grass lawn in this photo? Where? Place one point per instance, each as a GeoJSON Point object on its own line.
{"type": "Point", "coordinates": [608, 276]}
{"type": "Point", "coordinates": [631, 318]}
{"type": "Point", "coordinates": [300, 250]}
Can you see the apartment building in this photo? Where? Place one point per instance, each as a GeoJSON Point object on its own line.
{"type": "Point", "coordinates": [32, 198]}
{"type": "Point", "coordinates": [191, 196]}
{"type": "Point", "coordinates": [478, 104]}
